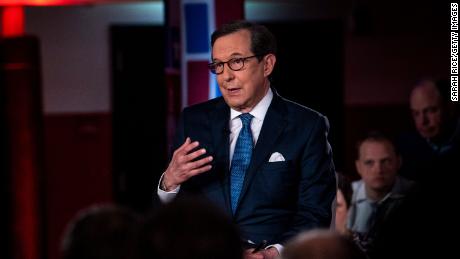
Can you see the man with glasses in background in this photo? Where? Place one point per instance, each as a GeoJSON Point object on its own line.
{"type": "Point", "coordinates": [262, 159]}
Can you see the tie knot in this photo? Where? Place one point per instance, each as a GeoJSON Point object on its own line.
{"type": "Point", "coordinates": [246, 119]}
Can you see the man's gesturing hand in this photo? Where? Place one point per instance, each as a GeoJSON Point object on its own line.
{"type": "Point", "coordinates": [182, 166]}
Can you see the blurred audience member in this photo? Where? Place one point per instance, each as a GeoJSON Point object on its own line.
{"type": "Point", "coordinates": [380, 190]}
{"type": "Point", "coordinates": [344, 193]}
{"type": "Point", "coordinates": [430, 153]}
{"type": "Point", "coordinates": [101, 232]}
{"type": "Point", "coordinates": [190, 229]}
{"type": "Point", "coordinates": [321, 244]}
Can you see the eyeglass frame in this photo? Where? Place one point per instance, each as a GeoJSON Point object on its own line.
{"type": "Point", "coordinates": [243, 59]}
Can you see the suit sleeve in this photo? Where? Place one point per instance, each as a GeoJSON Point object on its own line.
{"type": "Point", "coordinates": [317, 185]}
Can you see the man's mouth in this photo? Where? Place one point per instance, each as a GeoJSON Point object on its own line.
{"type": "Point", "coordinates": [233, 90]}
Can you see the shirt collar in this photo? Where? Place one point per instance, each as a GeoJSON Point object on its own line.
{"type": "Point", "coordinates": [360, 190]}
{"type": "Point", "coordinates": [260, 110]}
{"type": "Point", "coordinates": [397, 191]}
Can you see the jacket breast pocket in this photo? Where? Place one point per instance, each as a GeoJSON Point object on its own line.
{"type": "Point", "coordinates": [277, 166]}
{"type": "Point", "coordinates": [277, 180]}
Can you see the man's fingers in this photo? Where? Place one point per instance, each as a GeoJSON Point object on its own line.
{"type": "Point", "coordinates": [183, 166]}
{"type": "Point", "coordinates": [185, 158]}
{"type": "Point", "coordinates": [194, 154]}
{"type": "Point", "coordinates": [200, 170]}
{"type": "Point", "coordinates": [186, 146]}
{"type": "Point", "coordinates": [190, 146]}
{"type": "Point", "coordinates": [186, 142]}
{"type": "Point", "coordinates": [199, 163]}
{"type": "Point", "coordinates": [179, 149]}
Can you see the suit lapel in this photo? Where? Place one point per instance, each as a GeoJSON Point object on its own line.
{"type": "Point", "coordinates": [219, 127]}
{"type": "Point", "coordinates": [272, 127]}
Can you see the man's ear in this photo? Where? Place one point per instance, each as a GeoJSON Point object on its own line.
{"type": "Point", "coordinates": [269, 64]}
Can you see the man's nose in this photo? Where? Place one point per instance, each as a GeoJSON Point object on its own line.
{"type": "Point", "coordinates": [379, 168]}
{"type": "Point", "coordinates": [425, 120]}
{"type": "Point", "coordinates": [227, 73]}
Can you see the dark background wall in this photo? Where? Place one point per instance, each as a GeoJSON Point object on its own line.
{"type": "Point", "coordinates": [309, 71]}
{"type": "Point", "coordinates": [389, 45]}
{"type": "Point", "coordinates": [139, 105]}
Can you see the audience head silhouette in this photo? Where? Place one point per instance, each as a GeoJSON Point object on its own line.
{"type": "Point", "coordinates": [101, 232]}
{"type": "Point", "coordinates": [321, 244]}
{"type": "Point", "coordinates": [188, 228]}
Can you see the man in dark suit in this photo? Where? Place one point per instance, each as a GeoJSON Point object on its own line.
{"type": "Point", "coordinates": [264, 160]}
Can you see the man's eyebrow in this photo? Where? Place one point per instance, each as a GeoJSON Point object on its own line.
{"type": "Point", "coordinates": [368, 160]}
{"type": "Point", "coordinates": [233, 55]}
{"type": "Point", "coordinates": [385, 158]}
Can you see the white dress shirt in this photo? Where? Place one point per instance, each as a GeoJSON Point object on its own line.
{"type": "Point", "coordinates": [259, 112]}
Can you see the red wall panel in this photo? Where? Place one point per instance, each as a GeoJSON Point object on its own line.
{"type": "Point", "coordinates": [78, 169]}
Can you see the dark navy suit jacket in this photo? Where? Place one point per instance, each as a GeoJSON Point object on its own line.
{"type": "Point", "coordinates": [278, 199]}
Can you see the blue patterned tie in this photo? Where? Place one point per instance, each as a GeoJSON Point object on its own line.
{"type": "Point", "coordinates": [241, 158]}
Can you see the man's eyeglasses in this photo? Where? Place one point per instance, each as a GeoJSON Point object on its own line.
{"type": "Point", "coordinates": [234, 64]}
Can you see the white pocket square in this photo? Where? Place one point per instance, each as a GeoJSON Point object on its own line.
{"type": "Point", "coordinates": [276, 157]}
